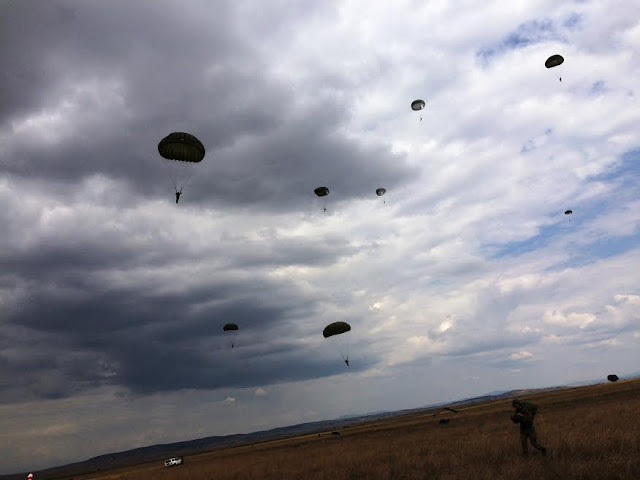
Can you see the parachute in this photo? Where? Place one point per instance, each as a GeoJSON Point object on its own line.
{"type": "Point", "coordinates": [182, 149]}
{"type": "Point", "coordinates": [380, 191]}
{"type": "Point", "coordinates": [336, 328]}
{"type": "Point", "coordinates": [418, 105]}
{"type": "Point", "coordinates": [233, 328]}
{"type": "Point", "coordinates": [322, 192]}
{"type": "Point", "coordinates": [612, 378]}
{"type": "Point", "coordinates": [341, 343]}
{"type": "Point", "coordinates": [554, 61]}
{"type": "Point", "coordinates": [568, 212]}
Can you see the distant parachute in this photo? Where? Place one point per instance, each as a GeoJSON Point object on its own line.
{"type": "Point", "coordinates": [418, 105]}
{"type": "Point", "coordinates": [233, 328]}
{"type": "Point", "coordinates": [321, 191]}
{"type": "Point", "coordinates": [568, 212]}
{"type": "Point", "coordinates": [341, 343]}
{"type": "Point", "coordinates": [554, 61]}
{"type": "Point", "coordinates": [182, 149]}
{"type": "Point", "coordinates": [380, 191]}
{"type": "Point", "coordinates": [335, 328]}
{"type": "Point", "coordinates": [612, 378]}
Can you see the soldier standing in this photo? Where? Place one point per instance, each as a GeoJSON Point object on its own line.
{"type": "Point", "coordinates": [525, 412]}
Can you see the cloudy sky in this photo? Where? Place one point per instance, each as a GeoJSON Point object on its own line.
{"type": "Point", "coordinates": [469, 279]}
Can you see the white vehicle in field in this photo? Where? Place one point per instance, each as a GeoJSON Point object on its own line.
{"type": "Point", "coordinates": [173, 461]}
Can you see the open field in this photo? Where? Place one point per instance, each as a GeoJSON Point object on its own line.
{"type": "Point", "coordinates": [591, 432]}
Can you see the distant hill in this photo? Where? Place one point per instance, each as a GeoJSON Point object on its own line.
{"type": "Point", "coordinates": [191, 447]}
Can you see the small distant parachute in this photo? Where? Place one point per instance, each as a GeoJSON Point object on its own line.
{"type": "Point", "coordinates": [612, 378]}
{"type": "Point", "coordinates": [182, 149]}
{"type": "Point", "coordinates": [568, 212]}
{"type": "Point", "coordinates": [554, 61]}
{"type": "Point", "coordinates": [418, 105]}
{"type": "Point", "coordinates": [336, 328]}
{"type": "Point", "coordinates": [233, 329]}
{"type": "Point", "coordinates": [321, 191]}
{"type": "Point", "coordinates": [341, 343]}
{"type": "Point", "coordinates": [380, 191]}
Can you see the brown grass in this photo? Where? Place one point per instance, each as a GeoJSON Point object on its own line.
{"type": "Point", "coordinates": [591, 432]}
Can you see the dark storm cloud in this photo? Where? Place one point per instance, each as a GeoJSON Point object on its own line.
{"type": "Point", "coordinates": [94, 304]}
{"type": "Point", "coordinates": [109, 83]}
{"type": "Point", "coordinates": [150, 341]}
{"type": "Point", "coordinates": [96, 291]}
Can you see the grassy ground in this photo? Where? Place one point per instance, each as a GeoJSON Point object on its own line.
{"type": "Point", "coordinates": [591, 432]}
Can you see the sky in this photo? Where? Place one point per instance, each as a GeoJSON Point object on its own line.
{"type": "Point", "coordinates": [464, 278]}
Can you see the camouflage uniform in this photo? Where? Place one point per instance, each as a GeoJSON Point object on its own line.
{"type": "Point", "coordinates": [525, 413]}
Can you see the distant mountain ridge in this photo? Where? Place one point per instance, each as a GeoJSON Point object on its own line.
{"type": "Point", "coordinates": [190, 447]}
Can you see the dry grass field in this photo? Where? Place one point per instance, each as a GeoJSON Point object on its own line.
{"type": "Point", "coordinates": [591, 432]}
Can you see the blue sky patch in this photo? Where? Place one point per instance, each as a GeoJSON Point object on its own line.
{"type": "Point", "coordinates": [528, 33]}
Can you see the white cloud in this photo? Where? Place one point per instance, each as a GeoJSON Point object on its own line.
{"type": "Point", "coordinates": [521, 355]}
{"type": "Point", "coordinates": [470, 266]}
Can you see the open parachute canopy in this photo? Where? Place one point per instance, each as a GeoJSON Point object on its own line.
{"type": "Point", "coordinates": [230, 327]}
{"type": "Point", "coordinates": [568, 212]}
{"type": "Point", "coordinates": [554, 61]}
{"type": "Point", "coordinates": [417, 104]}
{"type": "Point", "coordinates": [335, 328]}
{"type": "Point", "coordinates": [321, 191]}
{"type": "Point", "coordinates": [612, 378]}
{"type": "Point", "coordinates": [381, 191]}
{"type": "Point", "coordinates": [182, 147]}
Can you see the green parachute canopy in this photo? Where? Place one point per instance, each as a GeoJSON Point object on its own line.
{"type": "Point", "coordinates": [554, 61]}
{"type": "Point", "coordinates": [230, 327]}
{"type": "Point", "coordinates": [380, 191]}
{"type": "Point", "coordinates": [417, 104]}
{"type": "Point", "coordinates": [335, 328]}
{"type": "Point", "coordinates": [182, 147]}
{"type": "Point", "coordinates": [321, 191]}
